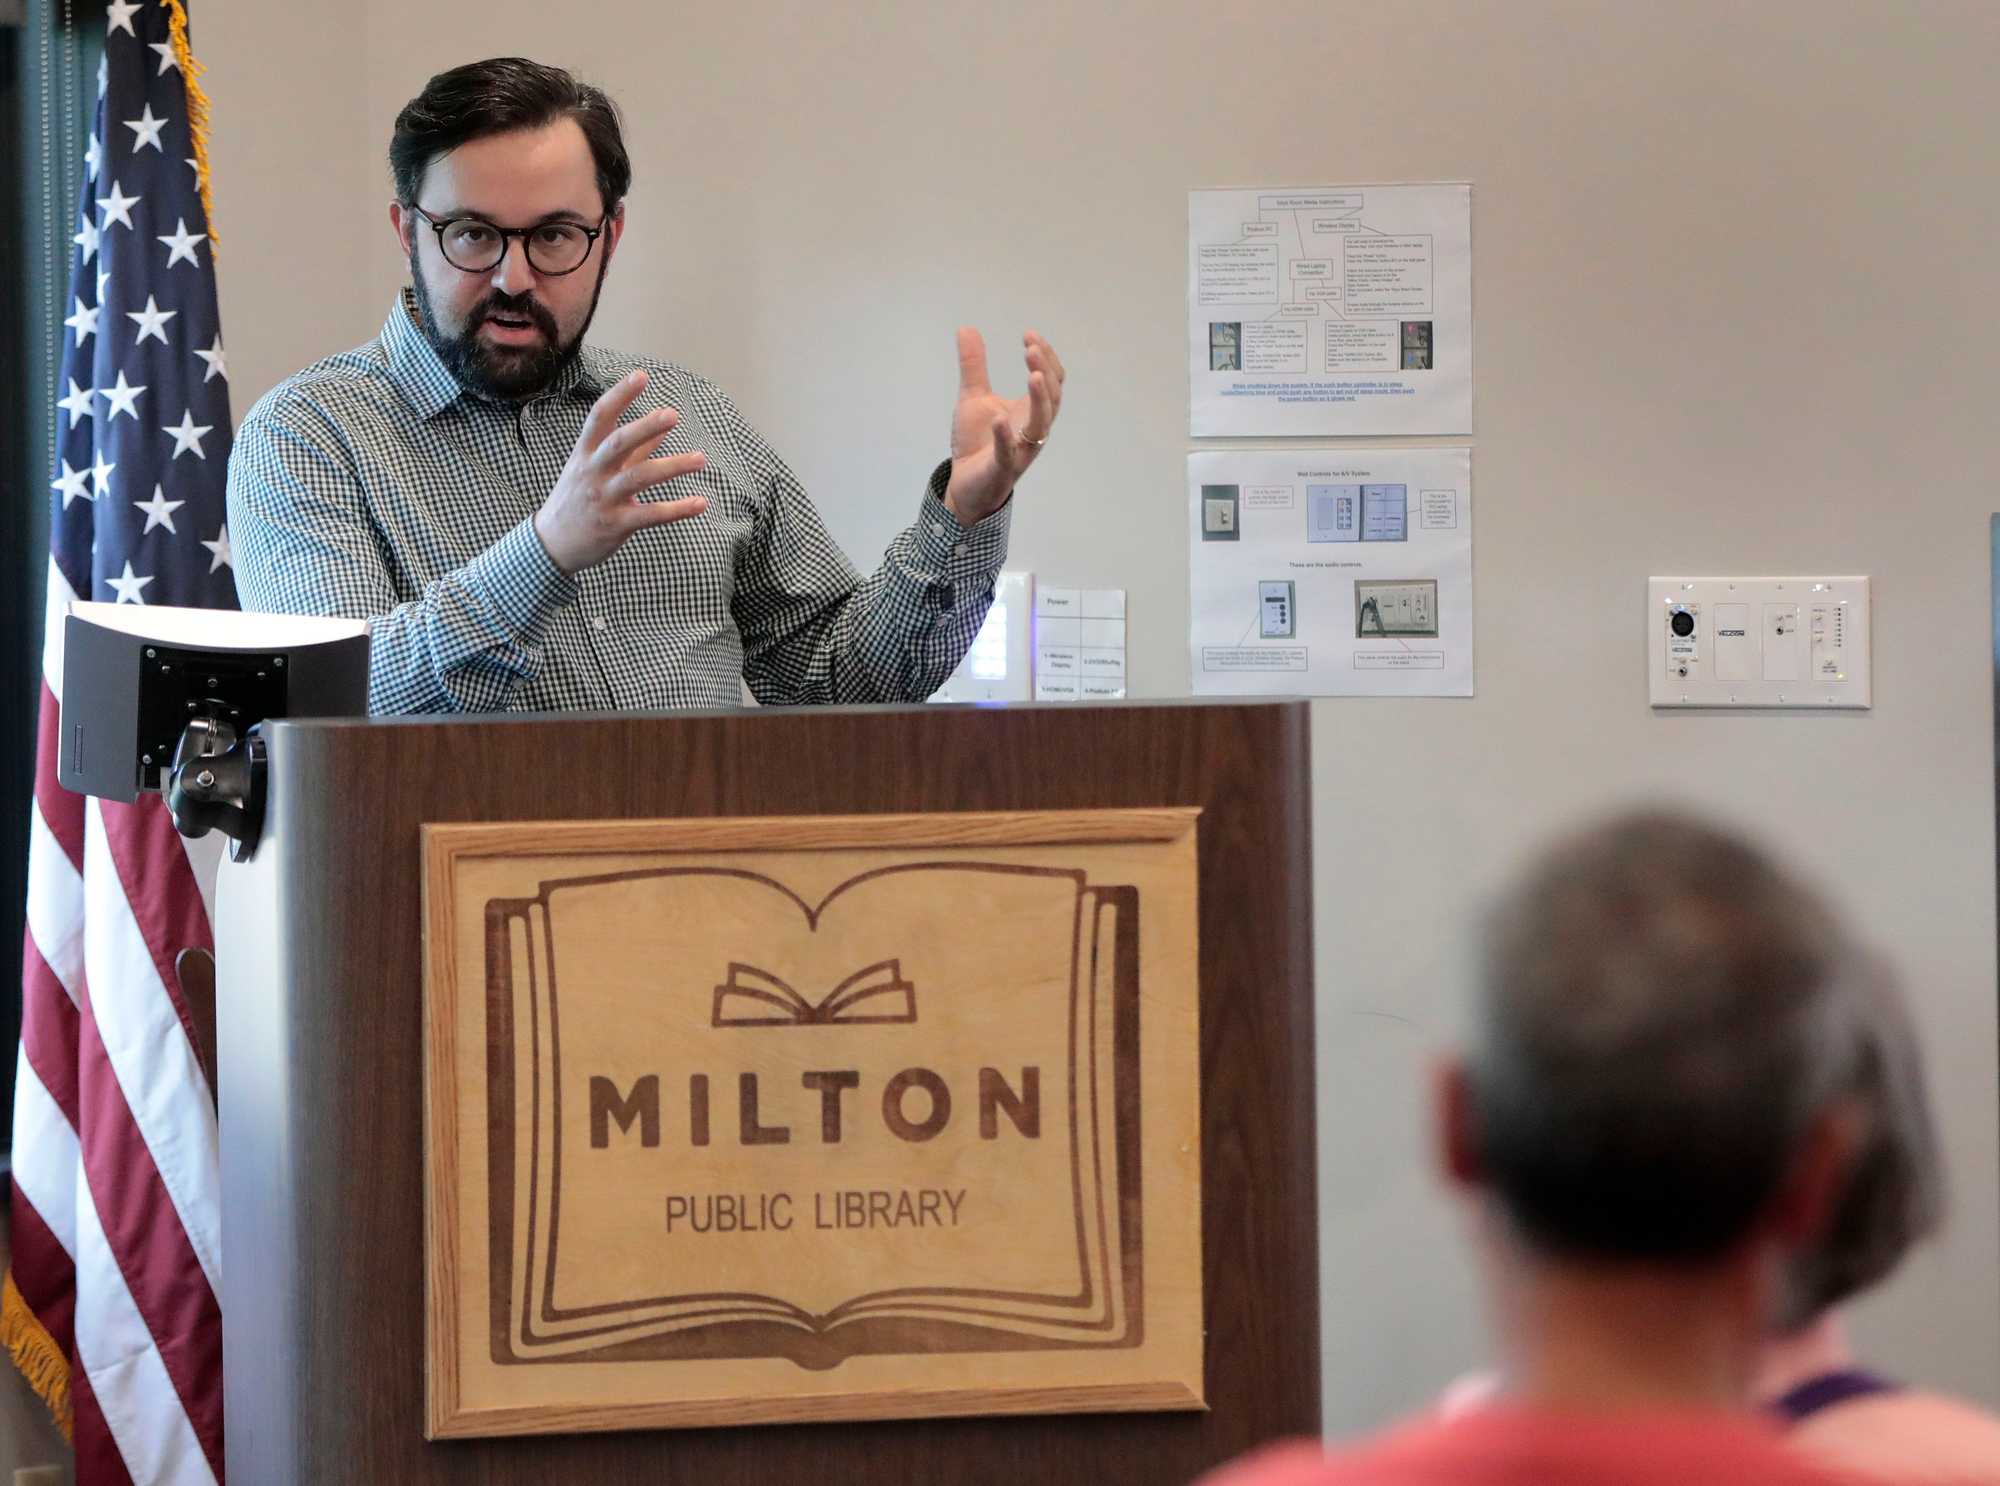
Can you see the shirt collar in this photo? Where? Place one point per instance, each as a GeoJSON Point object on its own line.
{"type": "Point", "coordinates": [431, 388]}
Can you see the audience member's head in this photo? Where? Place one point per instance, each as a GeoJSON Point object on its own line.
{"type": "Point", "coordinates": [1837, 1409]}
{"type": "Point", "coordinates": [1666, 1028]}
{"type": "Point", "coordinates": [1893, 1195]}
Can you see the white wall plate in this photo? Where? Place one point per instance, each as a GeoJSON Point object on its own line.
{"type": "Point", "coordinates": [996, 668]}
{"type": "Point", "coordinates": [1758, 642]}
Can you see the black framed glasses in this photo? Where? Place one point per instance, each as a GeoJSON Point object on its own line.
{"type": "Point", "coordinates": [471, 245]}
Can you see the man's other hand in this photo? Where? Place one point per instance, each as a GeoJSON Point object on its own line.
{"type": "Point", "coordinates": [595, 505]}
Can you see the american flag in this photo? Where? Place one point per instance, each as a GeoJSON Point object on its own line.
{"type": "Point", "coordinates": [111, 1305]}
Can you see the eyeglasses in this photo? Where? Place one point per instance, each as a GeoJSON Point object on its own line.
{"type": "Point", "coordinates": [473, 246]}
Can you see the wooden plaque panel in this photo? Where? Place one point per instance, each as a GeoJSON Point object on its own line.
{"type": "Point", "coordinates": [811, 1118]}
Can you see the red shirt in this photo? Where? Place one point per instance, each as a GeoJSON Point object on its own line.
{"type": "Point", "coordinates": [1513, 1447]}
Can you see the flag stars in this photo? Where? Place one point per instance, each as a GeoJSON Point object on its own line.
{"type": "Point", "coordinates": [218, 362]}
{"type": "Point", "coordinates": [124, 398]}
{"type": "Point", "coordinates": [127, 587]}
{"type": "Point", "coordinates": [83, 322]}
{"type": "Point", "coordinates": [146, 130]}
{"type": "Point", "coordinates": [181, 243]}
{"type": "Point", "coordinates": [117, 207]}
{"type": "Point", "coordinates": [118, 17]}
{"type": "Point", "coordinates": [187, 436]}
{"type": "Point", "coordinates": [78, 404]}
{"type": "Point", "coordinates": [159, 511]}
{"type": "Point", "coordinates": [152, 322]}
{"type": "Point", "coordinates": [70, 483]}
{"type": "Point", "coordinates": [157, 200]}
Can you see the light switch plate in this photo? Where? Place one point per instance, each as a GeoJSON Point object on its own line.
{"type": "Point", "coordinates": [996, 668]}
{"type": "Point", "coordinates": [1758, 642]}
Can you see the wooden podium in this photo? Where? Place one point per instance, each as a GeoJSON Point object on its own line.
{"type": "Point", "coordinates": [322, 1069]}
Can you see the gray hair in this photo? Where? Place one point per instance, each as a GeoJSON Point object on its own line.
{"type": "Point", "coordinates": [1894, 1194]}
{"type": "Point", "coordinates": [1662, 1014]}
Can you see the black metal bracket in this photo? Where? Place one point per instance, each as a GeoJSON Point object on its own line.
{"type": "Point", "coordinates": [216, 783]}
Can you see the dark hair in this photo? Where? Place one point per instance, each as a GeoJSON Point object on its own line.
{"type": "Point", "coordinates": [1894, 1192]}
{"type": "Point", "coordinates": [498, 96]}
{"type": "Point", "coordinates": [1663, 1015]}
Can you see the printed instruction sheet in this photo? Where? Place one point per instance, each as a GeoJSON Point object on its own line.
{"type": "Point", "coordinates": [1342, 310]}
{"type": "Point", "coordinates": [1079, 644]}
{"type": "Point", "coordinates": [1331, 572]}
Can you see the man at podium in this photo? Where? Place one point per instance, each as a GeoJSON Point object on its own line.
{"type": "Point", "coordinates": [531, 522]}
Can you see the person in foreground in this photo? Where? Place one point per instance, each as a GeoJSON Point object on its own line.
{"type": "Point", "coordinates": [1653, 1120]}
{"type": "Point", "coordinates": [531, 522]}
{"type": "Point", "coordinates": [1809, 1379]}
{"type": "Point", "coordinates": [1835, 1409]}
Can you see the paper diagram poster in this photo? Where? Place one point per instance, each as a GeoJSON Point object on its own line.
{"type": "Point", "coordinates": [1337, 310]}
{"type": "Point", "coordinates": [1331, 572]}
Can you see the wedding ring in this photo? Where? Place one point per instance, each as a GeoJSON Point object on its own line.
{"type": "Point", "coordinates": [1031, 443]}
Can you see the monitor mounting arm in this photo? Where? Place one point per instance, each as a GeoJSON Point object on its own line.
{"type": "Point", "coordinates": [216, 781]}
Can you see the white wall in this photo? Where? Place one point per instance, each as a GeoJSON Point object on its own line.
{"type": "Point", "coordinates": [1735, 297]}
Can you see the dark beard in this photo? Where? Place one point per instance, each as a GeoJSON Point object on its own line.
{"type": "Point", "coordinates": [500, 371]}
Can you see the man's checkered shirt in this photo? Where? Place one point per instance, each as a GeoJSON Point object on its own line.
{"type": "Point", "coordinates": [372, 486]}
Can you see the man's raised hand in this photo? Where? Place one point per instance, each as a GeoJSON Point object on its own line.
{"type": "Point", "coordinates": [994, 440]}
{"type": "Point", "coordinates": [595, 505]}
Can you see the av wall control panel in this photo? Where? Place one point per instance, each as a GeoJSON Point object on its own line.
{"type": "Point", "coordinates": [1758, 642]}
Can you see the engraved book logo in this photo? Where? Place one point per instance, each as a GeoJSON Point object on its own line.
{"type": "Point", "coordinates": [733, 1116]}
{"type": "Point", "coordinates": [756, 998]}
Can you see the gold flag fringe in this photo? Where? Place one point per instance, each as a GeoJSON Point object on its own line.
{"type": "Point", "coordinates": [197, 107]}
{"type": "Point", "coordinates": [35, 1353]}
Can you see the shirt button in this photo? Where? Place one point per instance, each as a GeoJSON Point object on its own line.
{"type": "Point", "coordinates": [936, 529]}
{"type": "Point", "coordinates": [597, 623]}
{"type": "Point", "coordinates": [959, 550]}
